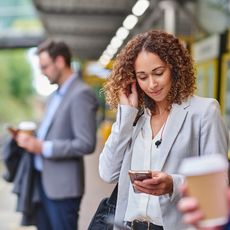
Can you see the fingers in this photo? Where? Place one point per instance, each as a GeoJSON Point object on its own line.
{"type": "Point", "coordinates": [22, 139]}
{"type": "Point", "coordinates": [29, 143]}
{"type": "Point", "coordinates": [134, 87]}
{"type": "Point", "coordinates": [190, 207]}
{"type": "Point", "coordinates": [151, 191]}
{"type": "Point", "coordinates": [128, 94]}
{"type": "Point", "coordinates": [161, 183]}
{"type": "Point", "coordinates": [188, 204]}
{"type": "Point", "coordinates": [193, 218]}
{"type": "Point", "coordinates": [123, 98]}
{"type": "Point", "coordinates": [151, 186]}
{"type": "Point", "coordinates": [183, 189]}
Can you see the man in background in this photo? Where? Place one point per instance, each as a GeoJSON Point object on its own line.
{"type": "Point", "coordinates": [67, 133]}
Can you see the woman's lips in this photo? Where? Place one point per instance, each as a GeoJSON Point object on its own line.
{"type": "Point", "coordinates": [157, 92]}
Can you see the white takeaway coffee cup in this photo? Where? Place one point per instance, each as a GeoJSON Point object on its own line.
{"type": "Point", "coordinates": [28, 127]}
{"type": "Point", "coordinates": [206, 178]}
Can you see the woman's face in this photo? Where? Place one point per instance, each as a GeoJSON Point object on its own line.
{"type": "Point", "coordinates": [153, 76]}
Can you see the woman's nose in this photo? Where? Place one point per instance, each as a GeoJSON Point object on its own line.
{"type": "Point", "coordinates": [152, 83]}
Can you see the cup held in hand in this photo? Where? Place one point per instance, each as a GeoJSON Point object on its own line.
{"type": "Point", "coordinates": [207, 181]}
{"type": "Point", "coordinates": [28, 127]}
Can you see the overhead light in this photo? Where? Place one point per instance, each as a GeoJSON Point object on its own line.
{"type": "Point", "coordinates": [104, 61]}
{"type": "Point", "coordinates": [130, 21]}
{"type": "Point", "coordinates": [107, 55]}
{"type": "Point", "coordinates": [122, 33]}
{"type": "Point", "coordinates": [111, 50]}
{"type": "Point", "coordinates": [116, 42]}
{"type": "Point", "coordinates": [140, 7]}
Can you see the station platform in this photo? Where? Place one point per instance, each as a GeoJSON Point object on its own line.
{"type": "Point", "coordinates": [96, 189]}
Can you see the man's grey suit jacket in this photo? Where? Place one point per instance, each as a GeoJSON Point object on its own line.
{"type": "Point", "coordinates": [73, 133]}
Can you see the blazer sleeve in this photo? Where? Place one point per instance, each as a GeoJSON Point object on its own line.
{"type": "Point", "coordinates": [111, 158]}
{"type": "Point", "coordinates": [213, 133]}
{"type": "Point", "coordinates": [83, 108]}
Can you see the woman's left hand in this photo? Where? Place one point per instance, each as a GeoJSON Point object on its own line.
{"type": "Point", "coordinates": [161, 183]}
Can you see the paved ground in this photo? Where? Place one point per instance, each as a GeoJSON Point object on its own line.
{"type": "Point", "coordinates": [96, 189]}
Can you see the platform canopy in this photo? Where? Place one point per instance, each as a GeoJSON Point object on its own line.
{"type": "Point", "coordinates": [89, 25]}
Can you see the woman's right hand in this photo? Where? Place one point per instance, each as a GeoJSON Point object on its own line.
{"type": "Point", "coordinates": [129, 95]}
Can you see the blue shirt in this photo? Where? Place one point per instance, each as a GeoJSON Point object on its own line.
{"type": "Point", "coordinates": [47, 146]}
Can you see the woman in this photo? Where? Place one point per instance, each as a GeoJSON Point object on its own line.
{"type": "Point", "coordinates": [154, 73]}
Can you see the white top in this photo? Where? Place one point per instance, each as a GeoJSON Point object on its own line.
{"type": "Point", "coordinates": [145, 156]}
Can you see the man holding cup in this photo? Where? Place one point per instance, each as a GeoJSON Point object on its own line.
{"type": "Point", "coordinates": [66, 134]}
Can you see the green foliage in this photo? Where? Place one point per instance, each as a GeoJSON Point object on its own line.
{"type": "Point", "coordinates": [16, 90]}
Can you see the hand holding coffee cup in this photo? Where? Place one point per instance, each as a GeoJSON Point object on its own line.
{"type": "Point", "coordinates": [206, 178]}
{"type": "Point", "coordinates": [26, 138]}
{"type": "Point", "coordinates": [27, 127]}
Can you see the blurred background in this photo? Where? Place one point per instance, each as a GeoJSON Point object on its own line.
{"type": "Point", "coordinates": [96, 30]}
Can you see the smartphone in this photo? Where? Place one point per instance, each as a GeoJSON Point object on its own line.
{"type": "Point", "coordinates": [139, 175]}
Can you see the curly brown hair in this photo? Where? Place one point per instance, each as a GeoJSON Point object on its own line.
{"type": "Point", "coordinates": [170, 50]}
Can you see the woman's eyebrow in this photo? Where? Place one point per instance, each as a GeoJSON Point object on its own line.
{"type": "Point", "coordinates": [158, 67]}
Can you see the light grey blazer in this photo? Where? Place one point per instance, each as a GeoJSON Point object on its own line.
{"type": "Point", "coordinates": [73, 133]}
{"type": "Point", "coordinates": [193, 128]}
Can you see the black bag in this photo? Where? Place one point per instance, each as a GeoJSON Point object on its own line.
{"type": "Point", "coordinates": [104, 216]}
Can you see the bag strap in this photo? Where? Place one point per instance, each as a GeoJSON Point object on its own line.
{"type": "Point", "coordinates": [139, 114]}
{"type": "Point", "coordinates": [113, 197]}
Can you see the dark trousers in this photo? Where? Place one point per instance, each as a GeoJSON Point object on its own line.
{"type": "Point", "coordinates": [56, 214]}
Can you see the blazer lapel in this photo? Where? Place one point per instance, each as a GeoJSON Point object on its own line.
{"type": "Point", "coordinates": [63, 101]}
{"type": "Point", "coordinates": [175, 122]}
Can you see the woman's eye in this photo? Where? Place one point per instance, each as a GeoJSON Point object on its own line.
{"type": "Point", "coordinates": [158, 73]}
{"type": "Point", "coordinates": [142, 77]}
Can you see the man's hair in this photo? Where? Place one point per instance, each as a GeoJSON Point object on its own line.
{"type": "Point", "coordinates": [55, 49]}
